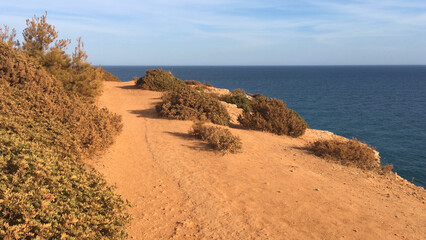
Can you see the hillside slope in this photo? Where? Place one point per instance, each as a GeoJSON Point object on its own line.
{"type": "Point", "coordinates": [46, 191]}
{"type": "Point", "coordinates": [181, 189]}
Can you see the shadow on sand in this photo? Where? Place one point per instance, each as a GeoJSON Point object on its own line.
{"type": "Point", "coordinates": [129, 87]}
{"type": "Point", "coordinates": [146, 113]}
{"type": "Point", "coordinates": [198, 146]}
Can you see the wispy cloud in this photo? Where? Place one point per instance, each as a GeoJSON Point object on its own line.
{"type": "Point", "coordinates": [233, 24]}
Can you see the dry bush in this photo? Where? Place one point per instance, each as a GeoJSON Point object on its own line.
{"type": "Point", "coordinates": [219, 138]}
{"type": "Point", "coordinates": [159, 80]}
{"type": "Point", "coordinates": [349, 153]}
{"type": "Point", "coordinates": [239, 98]}
{"type": "Point", "coordinates": [46, 190]}
{"type": "Point", "coordinates": [189, 104]}
{"type": "Point", "coordinates": [193, 82]}
{"type": "Point", "coordinates": [272, 115]}
{"type": "Point", "coordinates": [33, 95]}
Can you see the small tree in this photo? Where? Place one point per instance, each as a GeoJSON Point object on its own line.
{"type": "Point", "coordinates": [79, 56]}
{"type": "Point", "coordinates": [38, 35]}
{"type": "Point", "coordinates": [73, 73]}
{"type": "Point", "coordinates": [8, 37]}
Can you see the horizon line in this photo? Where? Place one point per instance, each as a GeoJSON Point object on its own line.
{"type": "Point", "coordinates": [260, 65]}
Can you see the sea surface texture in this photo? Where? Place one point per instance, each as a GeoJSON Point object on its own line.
{"type": "Point", "coordinates": [383, 106]}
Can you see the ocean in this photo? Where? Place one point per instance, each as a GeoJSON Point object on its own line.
{"type": "Point", "coordinates": [383, 106]}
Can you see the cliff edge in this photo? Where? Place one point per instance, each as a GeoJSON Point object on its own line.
{"type": "Point", "coordinates": [180, 189]}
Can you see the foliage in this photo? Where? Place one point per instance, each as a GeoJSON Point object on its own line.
{"type": "Point", "coordinates": [197, 83]}
{"type": "Point", "coordinates": [8, 37]}
{"type": "Point", "coordinates": [193, 82]}
{"type": "Point", "coordinates": [219, 138]}
{"type": "Point", "coordinates": [239, 98]}
{"type": "Point", "coordinates": [73, 73]}
{"type": "Point", "coordinates": [46, 192]}
{"type": "Point", "coordinates": [301, 120]}
{"type": "Point", "coordinates": [272, 115]}
{"type": "Point", "coordinates": [349, 153]}
{"type": "Point", "coordinates": [38, 35]}
{"type": "Point", "coordinates": [189, 104]}
{"type": "Point", "coordinates": [159, 80]}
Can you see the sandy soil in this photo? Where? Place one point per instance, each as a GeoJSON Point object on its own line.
{"type": "Point", "coordinates": [180, 189]}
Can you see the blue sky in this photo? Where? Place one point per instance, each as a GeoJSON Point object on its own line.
{"type": "Point", "coordinates": [235, 32]}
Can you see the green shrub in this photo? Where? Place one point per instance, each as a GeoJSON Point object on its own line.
{"type": "Point", "coordinates": [302, 121]}
{"type": "Point", "coordinates": [193, 82]}
{"type": "Point", "coordinates": [46, 192]}
{"type": "Point", "coordinates": [30, 96]}
{"type": "Point", "coordinates": [85, 82]}
{"type": "Point", "coordinates": [349, 153]}
{"type": "Point", "coordinates": [190, 104]}
{"type": "Point", "coordinates": [272, 115]}
{"type": "Point", "coordinates": [239, 98]}
{"type": "Point", "coordinates": [159, 80]}
{"type": "Point", "coordinates": [72, 72]}
{"type": "Point", "coordinates": [219, 138]}
{"type": "Point", "coordinates": [45, 195]}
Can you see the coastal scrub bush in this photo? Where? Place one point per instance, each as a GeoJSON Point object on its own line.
{"type": "Point", "coordinates": [46, 195]}
{"type": "Point", "coordinates": [239, 98]}
{"type": "Point", "coordinates": [46, 192]}
{"type": "Point", "coordinates": [349, 153]}
{"type": "Point", "coordinates": [272, 115]}
{"type": "Point", "coordinates": [193, 82]}
{"type": "Point", "coordinates": [159, 80]}
{"type": "Point", "coordinates": [33, 95]}
{"type": "Point", "coordinates": [189, 104]}
{"type": "Point", "coordinates": [217, 137]}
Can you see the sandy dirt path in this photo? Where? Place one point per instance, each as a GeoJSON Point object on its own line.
{"type": "Point", "coordinates": [180, 189]}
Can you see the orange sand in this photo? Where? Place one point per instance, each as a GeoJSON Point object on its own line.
{"type": "Point", "coordinates": [180, 189]}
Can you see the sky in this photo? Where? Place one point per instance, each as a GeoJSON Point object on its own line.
{"type": "Point", "coordinates": [235, 32]}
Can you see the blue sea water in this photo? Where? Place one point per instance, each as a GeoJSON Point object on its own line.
{"type": "Point", "coordinates": [383, 106]}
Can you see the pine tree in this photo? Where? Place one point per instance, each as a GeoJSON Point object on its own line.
{"type": "Point", "coordinates": [73, 73]}
{"type": "Point", "coordinates": [9, 37]}
{"type": "Point", "coordinates": [38, 35]}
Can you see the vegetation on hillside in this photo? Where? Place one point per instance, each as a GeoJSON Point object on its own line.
{"type": "Point", "coordinates": [72, 72]}
{"type": "Point", "coordinates": [46, 128]}
{"type": "Point", "coordinates": [159, 80]}
{"type": "Point", "coordinates": [190, 104]}
{"type": "Point", "coordinates": [217, 137]}
{"type": "Point", "coordinates": [349, 153]}
{"type": "Point", "coordinates": [272, 115]}
{"type": "Point", "coordinates": [239, 98]}
{"type": "Point", "coordinates": [193, 83]}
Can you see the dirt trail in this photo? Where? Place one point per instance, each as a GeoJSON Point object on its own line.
{"type": "Point", "coordinates": [180, 189]}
